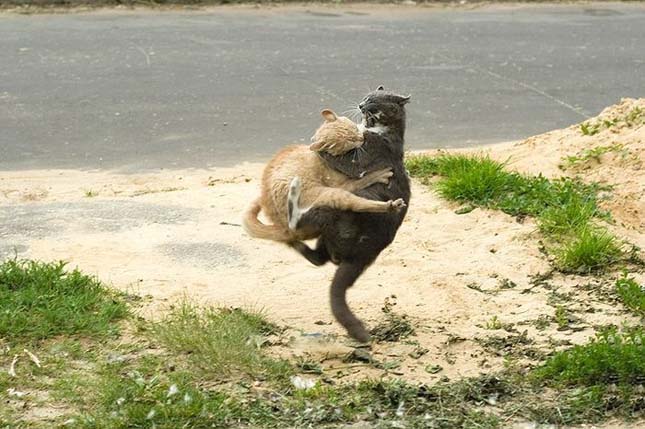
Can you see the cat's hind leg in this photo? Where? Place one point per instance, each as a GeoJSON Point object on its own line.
{"type": "Point", "coordinates": [294, 212]}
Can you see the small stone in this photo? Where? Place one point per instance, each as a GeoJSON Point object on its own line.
{"type": "Point", "coordinates": [302, 383]}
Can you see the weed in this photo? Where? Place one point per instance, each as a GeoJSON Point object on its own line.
{"type": "Point", "coordinates": [220, 341]}
{"type": "Point", "coordinates": [635, 117]}
{"type": "Point", "coordinates": [612, 357]}
{"type": "Point", "coordinates": [308, 366]}
{"type": "Point", "coordinates": [542, 322]}
{"type": "Point", "coordinates": [510, 345]}
{"type": "Point", "coordinates": [494, 323]}
{"type": "Point", "coordinates": [583, 157]}
{"type": "Point", "coordinates": [539, 280]}
{"type": "Point", "coordinates": [395, 326]}
{"type": "Point", "coordinates": [589, 129]}
{"type": "Point", "coordinates": [90, 193]}
{"type": "Point", "coordinates": [574, 214]}
{"type": "Point", "coordinates": [590, 249]}
{"type": "Point", "coordinates": [40, 300]}
{"type": "Point", "coordinates": [561, 317]}
{"type": "Point", "coordinates": [631, 293]}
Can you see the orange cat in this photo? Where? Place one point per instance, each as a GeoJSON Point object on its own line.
{"type": "Point", "coordinates": [300, 167]}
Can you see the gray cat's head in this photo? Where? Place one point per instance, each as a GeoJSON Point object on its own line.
{"type": "Point", "coordinates": [383, 108]}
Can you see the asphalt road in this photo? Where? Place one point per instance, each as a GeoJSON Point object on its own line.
{"type": "Point", "coordinates": [141, 90]}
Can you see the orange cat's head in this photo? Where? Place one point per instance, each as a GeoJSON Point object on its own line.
{"type": "Point", "coordinates": [336, 135]}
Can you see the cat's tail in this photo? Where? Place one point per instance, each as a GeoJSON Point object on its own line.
{"type": "Point", "coordinates": [257, 229]}
{"type": "Point", "coordinates": [344, 278]}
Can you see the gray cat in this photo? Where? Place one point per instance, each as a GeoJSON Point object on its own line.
{"type": "Point", "coordinates": [354, 240]}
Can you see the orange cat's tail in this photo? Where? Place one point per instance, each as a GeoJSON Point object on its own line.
{"type": "Point", "coordinates": [257, 229]}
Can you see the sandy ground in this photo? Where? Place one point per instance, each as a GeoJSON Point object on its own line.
{"type": "Point", "coordinates": [171, 234]}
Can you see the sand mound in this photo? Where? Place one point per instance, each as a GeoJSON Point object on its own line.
{"type": "Point", "coordinates": [608, 149]}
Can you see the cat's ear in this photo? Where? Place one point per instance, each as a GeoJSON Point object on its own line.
{"type": "Point", "coordinates": [329, 115]}
{"type": "Point", "coordinates": [403, 100]}
{"type": "Point", "coordinates": [380, 88]}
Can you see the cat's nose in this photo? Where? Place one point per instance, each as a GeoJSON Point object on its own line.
{"type": "Point", "coordinates": [361, 105]}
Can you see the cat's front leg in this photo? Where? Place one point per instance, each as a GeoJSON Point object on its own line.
{"type": "Point", "coordinates": [367, 180]}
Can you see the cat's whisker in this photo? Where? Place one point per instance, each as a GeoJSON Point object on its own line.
{"type": "Point", "coordinates": [351, 113]}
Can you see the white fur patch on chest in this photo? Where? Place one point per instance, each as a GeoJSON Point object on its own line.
{"type": "Point", "coordinates": [379, 129]}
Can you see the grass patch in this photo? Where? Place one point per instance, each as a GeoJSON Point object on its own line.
{"type": "Point", "coordinates": [566, 209]}
{"type": "Point", "coordinates": [220, 341]}
{"type": "Point", "coordinates": [572, 216]}
{"type": "Point", "coordinates": [394, 403]}
{"type": "Point", "coordinates": [150, 397]}
{"type": "Point", "coordinates": [590, 249]}
{"type": "Point", "coordinates": [631, 294]}
{"type": "Point", "coordinates": [206, 367]}
{"type": "Point", "coordinates": [595, 380]}
{"type": "Point", "coordinates": [41, 300]}
{"type": "Point", "coordinates": [572, 406]}
{"type": "Point", "coordinates": [484, 182]}
{"type": "Point", "coordinates": [147, 398]}
{"type": "Point", "coordinates": [167, 390]}
{"type": "Point", "coordinates": [612, 357]}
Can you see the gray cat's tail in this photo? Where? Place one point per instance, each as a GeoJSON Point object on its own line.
{"type": "Point", "coordinates": [344, 278]}
{"type": "Point", "coordinates": [257, 229]}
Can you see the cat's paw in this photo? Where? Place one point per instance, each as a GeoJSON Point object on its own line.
{"type": "Point", "coordinates": [384, 176]}
{"type": "Point", "coordinates": [397, 205]}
